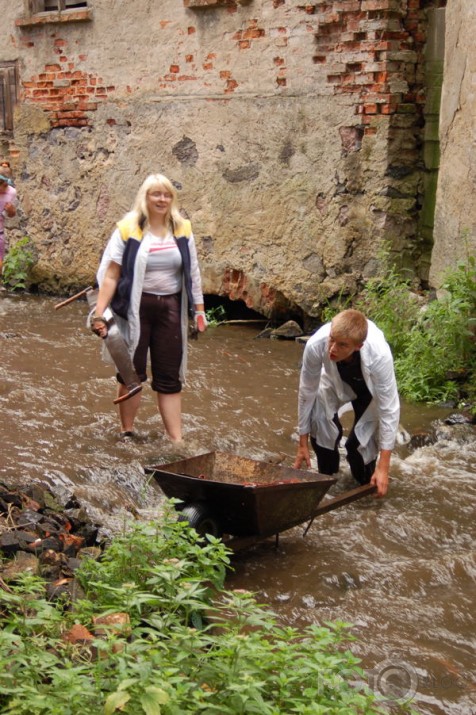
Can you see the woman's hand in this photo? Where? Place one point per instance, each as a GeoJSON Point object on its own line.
{"type": "Point", "coordinates": [99, 326]}
{"type": "Point", "coordinates": [10, 210]}
{"type": "Point", "coordinates": [200, 321]}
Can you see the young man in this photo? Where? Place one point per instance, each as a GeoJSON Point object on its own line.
{"type": "Point", "coordinates": [8, 197]}
{"type": "Point", "coordinates": [349, 360]}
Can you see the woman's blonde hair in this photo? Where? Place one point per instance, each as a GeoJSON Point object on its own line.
{"type": "Point", "coordinates": [350, 324]}
{"type": "Point", "coordinates": [139, 212]}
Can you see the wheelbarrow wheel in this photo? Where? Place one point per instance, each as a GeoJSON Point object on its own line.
{"type": "Point", "coordinates": [200, 518]}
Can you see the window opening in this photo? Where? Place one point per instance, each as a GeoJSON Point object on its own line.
{"type": "Point", "coordinates": [8, 95]}
{"type": "Point", "coordinates": [37, 6]}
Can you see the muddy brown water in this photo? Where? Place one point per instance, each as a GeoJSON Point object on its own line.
{"type": "Point", "coordinates": [401, 570]}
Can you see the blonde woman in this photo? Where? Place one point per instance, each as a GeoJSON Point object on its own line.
{"type": "Point", "coordinates": [150, 277]}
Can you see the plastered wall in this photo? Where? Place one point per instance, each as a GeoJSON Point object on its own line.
{"type": "Point", "coordinates": [293, 133]}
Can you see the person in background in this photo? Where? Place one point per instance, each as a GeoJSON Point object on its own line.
{"type": "Point", "coordinates": [6, 170]}
{"type": "Point", "coordinates": [8, 199]}
{"type": "Point", "coordinates": [349, 360]}
{"type": "Point", "coordinates": [150, 277]}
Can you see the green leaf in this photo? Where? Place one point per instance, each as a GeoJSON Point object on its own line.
{"type": "Point", "coordinates": [152, 699]}
{"type": "Point", "coordinates": [116, 701]}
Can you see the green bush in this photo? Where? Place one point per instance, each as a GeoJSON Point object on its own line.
{"type": "Point", "coordinates": [440, 349]}
{"type": "Point", "coordinates": [191, 647]}
{"type": "Point", "coordinates": [215, 316]}
{"type": "Point", "coordinates": [17, 264]}
{"type": "Point", "coordinates": [433, 341]}
{"type": "Point", "coordinates": [389, 302]}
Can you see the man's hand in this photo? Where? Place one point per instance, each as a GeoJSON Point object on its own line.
{"type": "Point", "coordinates": [303, 453]}
{"type": "Point", "coordinates": [380, 476]}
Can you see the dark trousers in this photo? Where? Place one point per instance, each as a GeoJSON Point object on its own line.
{"type": "Point", "coordinates": [328, 459]}
{"type": "Point", "coordinates": [161, 334]}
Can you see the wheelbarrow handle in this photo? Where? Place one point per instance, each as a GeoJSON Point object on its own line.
{"type": "Point", "coordinates": [73, 298]}
{"type": "Point", "coordinates": [340, 500]}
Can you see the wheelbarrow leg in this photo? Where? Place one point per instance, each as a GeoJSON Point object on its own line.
{"type": "Point", "coordinates": [345, 498]}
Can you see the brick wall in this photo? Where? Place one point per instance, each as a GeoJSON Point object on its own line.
{"type": "Point", "coordinates": [68, 95]}
{"type": "Point", "coordinates": [294, 130]}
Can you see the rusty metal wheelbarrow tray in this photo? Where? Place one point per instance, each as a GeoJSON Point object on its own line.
{"type": "Point", "coordinates": [247, 497]}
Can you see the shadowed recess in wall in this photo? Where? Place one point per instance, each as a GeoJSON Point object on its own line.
{"type": "Point", "coordinates": [186, 151]}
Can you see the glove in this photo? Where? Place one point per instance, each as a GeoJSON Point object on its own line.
{"type": "Point", "coordinates": [200, 321]}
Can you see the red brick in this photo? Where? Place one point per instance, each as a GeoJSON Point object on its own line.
{"type": "Point", "coordinates": [231, 85]}
{"type": "Point", "coordinates": [253, 33]}
{"type": "Point", "coordinates": [388, 108]}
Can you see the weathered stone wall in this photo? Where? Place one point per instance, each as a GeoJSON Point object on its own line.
{"type": "Point", "coordinates": [455, 215]}
{"type": "Point", "coordinates": [293, 133]}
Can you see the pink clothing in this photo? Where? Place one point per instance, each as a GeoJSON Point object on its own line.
{"type": "Point", "coordinates": [6, 197]}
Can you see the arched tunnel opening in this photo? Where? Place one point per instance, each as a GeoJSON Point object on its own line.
{"type": "Point", "coordinates": [223, 308]}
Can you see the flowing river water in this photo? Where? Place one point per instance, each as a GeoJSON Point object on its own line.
{"type": "Point", "coordinates": [400, 569]}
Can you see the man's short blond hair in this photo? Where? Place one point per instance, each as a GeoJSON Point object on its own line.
{"type": "Point", "coordinates": [350, 324]}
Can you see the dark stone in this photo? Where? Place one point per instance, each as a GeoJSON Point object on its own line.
{"type": "Point", "coordinates": [421, 439]}
{"type": "Point", "coordinates": [286, 152]}
{"type": "Point", "coordinates": [77, 517]}
{"type": "Point", "coordinates": [264, 333]}
{"type": "Point", "coordinates": [53, 544]}
{"type": "Point", "coordinates": [13, 541]}
{"type": "Point", "coordinates": [186, 151]}
{"type": "Point", "coordinates": [392, 193]}
{"type": "Point", "coordinates": [460, 418]}
{"type": "Point", "coordinates": [28, 518]}
{"type": "Point", "coordinates": [351, 138]}
{"type": "Point", "coordinates": [399, 172]}
{"type": "Point", "coordinates": [11, 498]}
{"type": "Point", "coordinates": [60, 519]}
{"type": "Point", "coordinates": [244, 173]}
{"type": "Point", "coordinates": [40, 545]}
{"type": "Point", "coordinates": [72, 503]}
{"type": "Point", "coordinates": [89, 533]}
{"type": "Point", "coordinates": [288, 331]}
{"type": "Point", "coordinates": [61, 588]}
{"type": "Point", "coordinates": [73, 564]}
{"type": "Point", "coordinates": [47, 527]}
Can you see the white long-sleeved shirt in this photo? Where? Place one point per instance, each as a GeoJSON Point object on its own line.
{"type": "Point", "coordinates": [322, 392]}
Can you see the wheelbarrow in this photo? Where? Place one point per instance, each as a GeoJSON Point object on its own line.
{"type": "Point", "coordinates": [245, 501]}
